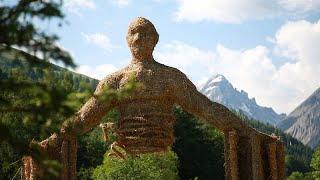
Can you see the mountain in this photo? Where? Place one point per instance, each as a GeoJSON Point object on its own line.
{"type": "Point", "coordinates": [303, 122]}
{"type": "Point", "coordinates": [219, 89]}
{"type": "Point", "coordinates": [13, 65]}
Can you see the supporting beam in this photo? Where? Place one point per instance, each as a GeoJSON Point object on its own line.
{"type": "Point", "coordinates": [69, 159]}
{"type": "Point", "coordinates": [233, 155]}
{"type": "Point", "coordinates": [281, 161]}
{"type": "Point", "coordinates": [29, 169]}
{"type": "Point", "coordinates": [256, 156]}
{"type": "Point", "coordinates": [272, 159]}
{"type": "Point", "coordinates": [226, 156]}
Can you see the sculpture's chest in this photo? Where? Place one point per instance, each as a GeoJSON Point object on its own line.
{"type": "Point", "coordinates": [154, 80]}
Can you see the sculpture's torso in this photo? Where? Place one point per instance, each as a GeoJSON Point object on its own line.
{"type": "Point", "coordinates": [146, 118]}
{"type": "Point", "coordinates": [145, 125]}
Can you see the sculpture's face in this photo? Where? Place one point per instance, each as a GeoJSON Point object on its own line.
{"type": "Point", "coordinates": [142, 38]}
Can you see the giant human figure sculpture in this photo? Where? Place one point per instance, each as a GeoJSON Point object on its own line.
{"type": "Point", "coordinates": [146, 122]}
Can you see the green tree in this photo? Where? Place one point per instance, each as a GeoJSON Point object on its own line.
{"type": "Point", "coordinates": [31, 103]}
{"type": "Point", "coordinates": [292, 165]}
{"type": "Point", "coordinates": [91, 151]}
{"type": "Point", "coordinates": [315, 163]}
{"type": "Point", "coordinates": [300, 176]}
{"type": "Point", "coordinates": [200, 148]}
{"type": "Point", "coordinates": [152, 166]}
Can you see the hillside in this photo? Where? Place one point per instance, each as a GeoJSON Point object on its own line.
{"type": "Point", "coordinates": [11, 66]}
{"type": "Point", "coordinates": [303, 122]}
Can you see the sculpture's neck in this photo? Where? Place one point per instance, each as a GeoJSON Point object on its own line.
{"type": "Point", "coordinates": [146, 60]}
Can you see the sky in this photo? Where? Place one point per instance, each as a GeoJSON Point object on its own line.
{"type": "Point", "coordinates": [270, 49]}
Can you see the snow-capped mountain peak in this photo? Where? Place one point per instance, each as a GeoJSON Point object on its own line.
{"type": "Point", "coordinates": [219, 89]}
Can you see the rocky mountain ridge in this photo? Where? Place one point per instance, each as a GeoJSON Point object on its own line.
{"type": "Point", "coordinates": [219, 89]}
{"type": "Point", "coordinates": [303, 122]}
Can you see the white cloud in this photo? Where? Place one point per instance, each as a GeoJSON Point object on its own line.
{"type": "Point", "coordinates": [300, 41]}
{"type": "Point", "coordinates": [253, 70]}
{"type": "Point", "coordinates": [121, 3]}
{"type": "Point", "coordinates": [300, 5]}
{"type": "Point", "coordinates": [74, 6]}
{"type": "Point", "coordinates": [231, 11]}
{"type": "Point", "coordinates": [98, 72]}
{"type": "Point", "coordinates": [80, 4]}
{"type": "Point", "coordinates": [183, 56]}
{"type": "Point", "coordinates": [99, 39]}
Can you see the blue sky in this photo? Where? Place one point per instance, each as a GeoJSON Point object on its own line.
{"type": "Point", "coordinates": [268, 48]}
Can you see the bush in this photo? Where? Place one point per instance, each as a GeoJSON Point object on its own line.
{"type": "Point", "coordinates": [153, 166]}
{"type": "Point", "coordinates": [300, 176]}
{"type": "Point", "coordinates": [295, 165]}
{"type": "Point", "coordinates": [315, 163]}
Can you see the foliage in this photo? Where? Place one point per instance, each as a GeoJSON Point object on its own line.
{"type": "Point", "coordinates": [311, 175]}
{"type": "Point", "coordinates": [315, 163]}
{"type": "Point", "coordinates": [32, 103]}
{"type": "Point", "coordinates": [300, 176]}
{"type": "Point", "coordinates": [91, 151]}
{"type": "Point", "coordinates": [294, 165]}
{"type": "Point", "coordinates": [53, 84]}
{"type": "Point", "coordinates": [17, 29]}
{"type": "Point", "coordinates": [155, 166]}
{"type": "Point", "coordinates": [200, 148]}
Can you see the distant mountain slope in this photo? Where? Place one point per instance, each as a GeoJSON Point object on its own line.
{"type": "Point", "coordinates": [304, 122]}
{"type": "Point", "coordinates": [219, 89]}
{"type": "Point", "coordinates": [11, 64]}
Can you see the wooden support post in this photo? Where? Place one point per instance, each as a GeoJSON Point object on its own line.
{"type": "Point", "coordinates": [281, 161]}
{"type": "Point", "coordinates": [69, 159]}
{"type": "Point", "coordinates": [30, 169]}
{"type": "Point", "coordinates": [233, 155]}
{"type": "Point", "coordinates": [26, 169]}
{"type": "Point", "coordinates": [272, 158]}
{"type": "Point", "coordinates": [226, 156]}
{"type": "Point", "coordinates": [257, 164]}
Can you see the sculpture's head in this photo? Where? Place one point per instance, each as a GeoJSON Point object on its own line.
{"type": "Point", "coordinates": [142, 37]}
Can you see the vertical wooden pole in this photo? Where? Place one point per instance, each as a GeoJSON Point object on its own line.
{"type": "Point", "coordinates": [226, 156]}
{"type": "Point", "coordinates": [281, 161]}
{"type": "Point", "coordinates": [233, 155]}
{"type": "Point", "coordinates": [272, 158]}
{"type": "Point", "coordinates": [257, 166]}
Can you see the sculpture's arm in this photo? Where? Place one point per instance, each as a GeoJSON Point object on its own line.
{"type": "Point", "coordinates": [190, 99]}
{"type": "Point", "coordinates": [63, 146]}
{"type": "Point", "coordinates": [91, 113]}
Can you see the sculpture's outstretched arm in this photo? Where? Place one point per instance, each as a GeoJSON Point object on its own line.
{"type": "Point", "coordinates": [191, 100]}
{"type": "Point", "coordinates": [62, 146]}
{"type": "Point", "coordinates": [88, 117]}
{"type": "Point", "coordinates": [245, 148]}
{"type": "Point", "coordinates": [91, 113]}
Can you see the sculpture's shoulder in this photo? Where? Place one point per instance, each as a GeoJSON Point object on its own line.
{"type": "Point", "coordinates": [171, 71]}
{"type": "Point", "coordinates": [176, 76]}
{"type": "Point", "coordinates": [111, 81]}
